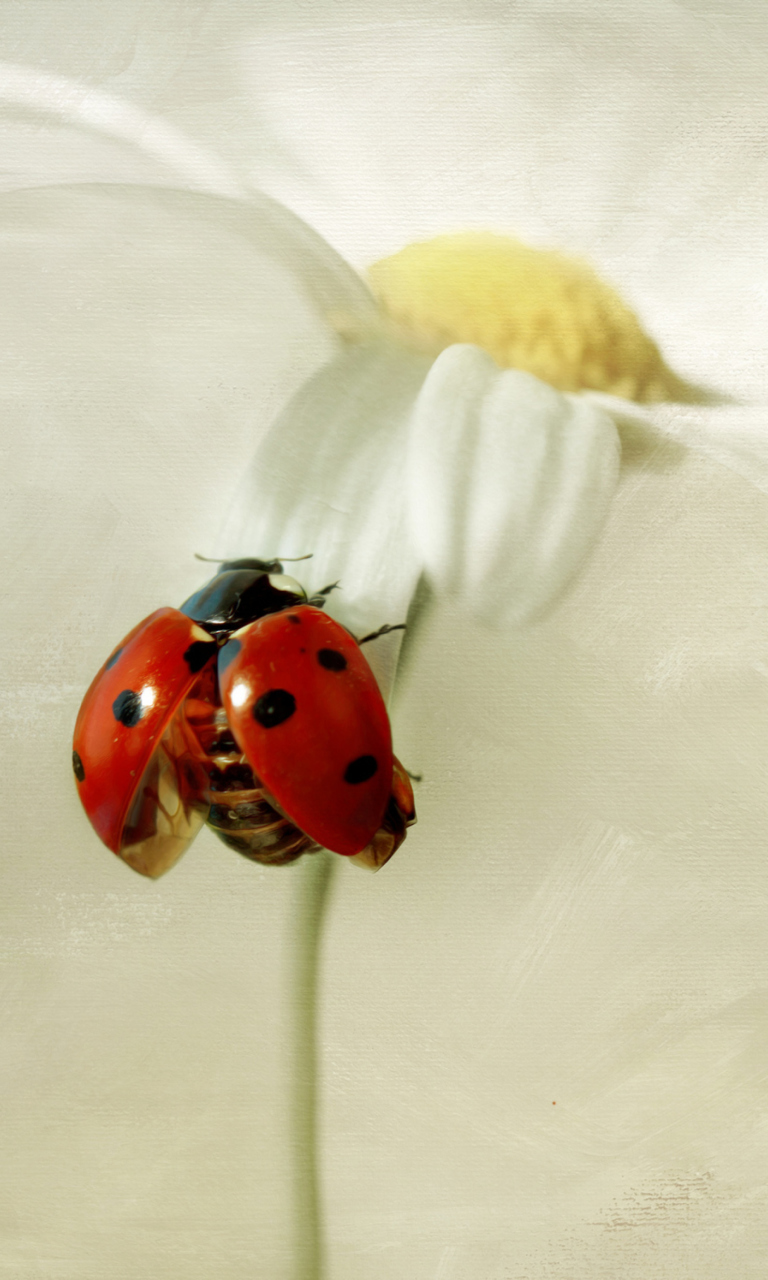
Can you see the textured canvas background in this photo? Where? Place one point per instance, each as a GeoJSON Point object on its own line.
{"type": "Point", "coordinates": [544, 1026]}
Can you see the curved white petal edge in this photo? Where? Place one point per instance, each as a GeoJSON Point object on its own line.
{"type": "Point", "coordinates": [83, 106]}
{"type": "Point", "coordinates": [489, 483]}
{"type": "Point", "coordinates": [733, 434]}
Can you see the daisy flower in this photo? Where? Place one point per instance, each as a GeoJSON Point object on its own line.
{"type": "Point", "coordinates": [541, 1024]}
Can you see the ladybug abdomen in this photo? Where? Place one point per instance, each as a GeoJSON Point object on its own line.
{"type": "Point", "coordinates": [238, 809]}
{"type": "Point", "coordinates": [244, 815]}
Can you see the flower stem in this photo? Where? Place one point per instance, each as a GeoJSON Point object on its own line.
{"type": "Point", "coordinates": [314, 875]}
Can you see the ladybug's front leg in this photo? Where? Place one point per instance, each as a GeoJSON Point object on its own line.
{"type": "Point", "coordinates": [319, 600]}
{"type": "Point", "coordinates": [383, 630]}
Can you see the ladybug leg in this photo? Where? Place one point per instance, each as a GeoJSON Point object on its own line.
{"type": "Point", "coordinates": [319, 600]}
{"type": "Point", "coordinates": [383, 631]}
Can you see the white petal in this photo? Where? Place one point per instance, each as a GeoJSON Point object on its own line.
{"type": "Point", "coordinates": [509, 484]}
{"type": "Point", "coordinates": [53, 128]}
{"type": "Point", "coordinates": [329, 479]}
{"type": "Point", "coordinates": [735, 435]}
{"type": "Point", "coordinates": [150, 336]}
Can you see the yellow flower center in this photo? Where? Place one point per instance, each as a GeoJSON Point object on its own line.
{"type": "Point", "coordinates": [531, 309]}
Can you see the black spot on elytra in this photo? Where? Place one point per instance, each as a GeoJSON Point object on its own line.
{"type": "Point", "coordinates": [274, 707]}
{"type": "Point", "coordinates": [361, 769]}
{"type": "Point", "coordinates": [77, 765]}
{"type": "Point", "coordinates": [198, 654]}
{"type": "Point", "coordinates": [110, 662]}
{"type": "Point", "coordinates": [331, 659]}
{"type": "Point", "coordinates": [294, 617]}
{"type": "Point", "coordinates": [127, 708]}
{"type": "Point", "coordinates": [227, 653]}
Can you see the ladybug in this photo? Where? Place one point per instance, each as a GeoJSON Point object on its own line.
{"type": "Point", "coordinates": [250, 710]}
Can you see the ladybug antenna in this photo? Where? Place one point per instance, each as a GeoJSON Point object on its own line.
{"type": "Point", "coordinates": [225, 559]}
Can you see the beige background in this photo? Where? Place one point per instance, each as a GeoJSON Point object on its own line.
{"type": "Point", "coordinates": [580, 916]}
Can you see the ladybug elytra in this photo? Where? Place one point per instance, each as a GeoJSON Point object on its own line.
{"type": "Point", "coordinates": [250, 710]}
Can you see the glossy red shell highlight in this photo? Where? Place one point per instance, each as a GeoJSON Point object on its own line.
{"type": "Point", "coordinates": [339, 720]}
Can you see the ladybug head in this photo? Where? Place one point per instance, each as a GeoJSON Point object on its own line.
{"type": "Point", "coordinates": [241, 592]}
{"type": "Point", "coordinates": [266, 566]}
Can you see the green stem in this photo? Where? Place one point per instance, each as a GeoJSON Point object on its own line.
{"type": "Point", "coordinates": [314, 873]}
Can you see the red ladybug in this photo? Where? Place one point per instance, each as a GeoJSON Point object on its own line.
{"type": "Point", "coordinates": [248, 709]}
